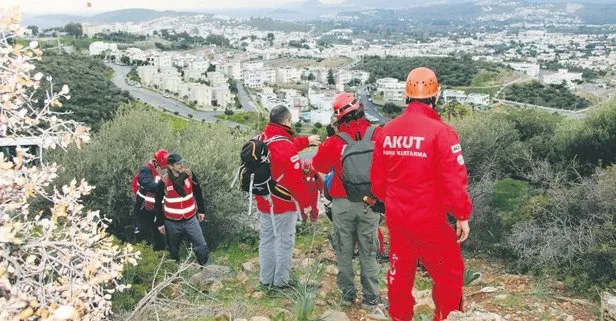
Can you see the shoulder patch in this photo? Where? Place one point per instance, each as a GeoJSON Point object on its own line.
{"type": "Point", "coordinates": [460, 159]}
{"type": "Point", "coordinates": [456, 148]}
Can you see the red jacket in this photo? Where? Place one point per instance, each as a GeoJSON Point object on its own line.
{"type": "Point", "coordinates": [286, 169]}
{"type": "Point", "coordinates": [313, 182]}
{"type": "Point", "coordinates": [418, 170]}
{"type": "Point", "coordinates": [329, 155]}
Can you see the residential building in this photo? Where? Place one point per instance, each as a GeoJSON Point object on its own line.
{"type": "Point", "coordinates": [563, 75]}
{"type": "Point", "coordinates": [146, 73]}
{"type": "Point", "coordinates": [222, 95]}
{"type": "Point", "coordinates": [391, 88]}
{"type": "Point", "coordinates": [160, 61]}
{"type": "Point", "coordinates": [202, 94]}
{"type": "Point", "coordinates": [478, 99]}
{"type": "Point", "coordinates": [288, 75]}
{"type": "Point", "coordinates": [98, 47]}
{"type": "Point", "coordinates": [217, 78]}
{"type": "Point", "coordinates": [192, 75]}
{"type": "Point", "coordinates": [170, 83]}
{"type": "Point", "coordinates": [526, 68]}
{"type": "Point", "coordinates": [451, 95]}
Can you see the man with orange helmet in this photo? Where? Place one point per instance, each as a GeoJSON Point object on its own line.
{"type": "Point", "coordinates": [314, 183]}
{"type": "Point", "coordinates": [353, 221]}
{"type": "Point", "coordinates": [418, 171]}
{"type": "Point", "coordinates": [145, 184]}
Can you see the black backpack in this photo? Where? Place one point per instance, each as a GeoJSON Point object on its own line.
{"type": "Point", "coordinates": [255, 174]}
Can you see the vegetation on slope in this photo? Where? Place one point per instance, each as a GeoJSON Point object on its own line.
{"type": "Point", "coordinates": [94, 98]}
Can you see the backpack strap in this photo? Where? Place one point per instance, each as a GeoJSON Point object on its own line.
{"type": "Point", "coordinates": [369, 133]}
{"type": "Point", "coordinates": [276, 138]}
{"type": "Point", "coordinates": [345, 137]}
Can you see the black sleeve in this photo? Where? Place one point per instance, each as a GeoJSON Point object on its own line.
{"type": "Point", "coordinates": [146, 181]}
{"type": "Point", "coordinates": [198, 194]}
{"type": "Point", "coordinates": [160, 194]}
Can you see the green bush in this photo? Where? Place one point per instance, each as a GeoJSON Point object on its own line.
{"type": "Point", "coordinates": [141, 277]}
{"type": "Point", "coordinates": [123, 145]}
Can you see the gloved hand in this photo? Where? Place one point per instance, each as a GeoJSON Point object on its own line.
{"type": "Point", "coordinates": [378, 207]}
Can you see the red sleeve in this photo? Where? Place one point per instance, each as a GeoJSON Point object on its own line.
{"type": "Point", "coordinates": [378, 172]}
{"type": "Point", "coordinates": [453, 174]}
{"type": "Point", "coordinates": [293, 176]}
{"type": "Point", "coordinates": [301, 143]}
{"type": "Point", "coordinates": [322, 161]}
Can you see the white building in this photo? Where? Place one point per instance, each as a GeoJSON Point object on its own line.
{"type": "Point", "coordinates": [223, 96]}
{"type": "Point", "coordinates": [160, 61]}
{"type": "Point", "coordinates": [98, 47]}
{"type": "Point", "coordinates": [392, 89]}
{"type": "Point", "coordinates": [254, 79]}
{"type": "Point", "coordinates": [170, 83]}
{"type": "Point", "coordinates": [451, 95]}
{"type": "Point", "coordinates": [563, 75]}
{"type": "Point", "coordinates": [146, 73]}
{"type": "Point", "coordinates": [202, 94]}
{"type": "Point", "coordinates": [478, 99]}
{"type": "Point", "coordinates": [201, 65]}
{"type": "Point", "coordinates": [319, 116]}
{"type": "Point", "coordinates": [288, 75]}
{"type": "Point", "coordinates": [345, 76]}
{"type": "Point", "coordinates": [193, 74]}
{"type": "Point", "coordinates": [526, 68]}
{"type": "Point", "coordinates": [91, 30]}
{"type": "Point", "coordinates": [216, 78]}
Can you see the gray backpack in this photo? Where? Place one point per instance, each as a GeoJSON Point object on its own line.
{"type": "Point", "coordinates": [356, 163]}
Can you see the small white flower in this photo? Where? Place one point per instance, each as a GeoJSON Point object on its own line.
{"type": "Point", "coordinates": [33, 44]}
{"type": "Point", "coordinates": [64, 90]}
{"type": "Point", "coordinates": [38, 76]}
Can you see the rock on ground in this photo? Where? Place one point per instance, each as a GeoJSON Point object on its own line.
{"type": "Point", "coordinates": [474, 316]}
{"type": "Point", "coordinates": [335, 316]}
{"type": "Point", "coordinates": [608, 307]}
{"type": "Point", "coordinates": [248, 266]}
{"type": "Point", "coordinates": [259, 319]}
{"type": "Point", "coordinates": [210, 274]}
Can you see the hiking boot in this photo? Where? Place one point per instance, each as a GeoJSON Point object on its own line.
{"type": "Point", "coordinates": [382, 257]}
{"type": "Point", "coordinates": [266, 288]}
{"type": "Point", "coordinates": [347, 299]}
{"type": "Point", "coordinates": [289, 285]}
{"type": "Point", "coordinates": [373, 303]}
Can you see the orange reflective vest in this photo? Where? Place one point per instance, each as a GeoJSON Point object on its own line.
{"type": "Point", "coordinates": [175, 206]}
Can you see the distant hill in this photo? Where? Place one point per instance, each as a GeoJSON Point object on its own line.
{"type": "Point", "coordinates": [136, 15]}
{"type": "Point", "coordinates": [118, 16]}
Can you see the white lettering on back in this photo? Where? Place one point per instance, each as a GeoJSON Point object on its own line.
{"type": "Point", "coordinates": [408, 146]}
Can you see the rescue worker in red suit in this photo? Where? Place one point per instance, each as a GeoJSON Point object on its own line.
{"type": "Point", "coordinates": [314, 183]}
{"type": "Point", "coordinates": [353, 221]}
{"type": "Point", "coordinates": [278, 216]}
{"type": "Point", "coordinates": [418, 171]}
{"type": "Point", "coordinates": [144, 185]}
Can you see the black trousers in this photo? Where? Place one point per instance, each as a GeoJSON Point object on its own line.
{"type": "Point", "coordinates": [147, 228]}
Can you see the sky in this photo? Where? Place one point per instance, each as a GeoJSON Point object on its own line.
{"type": "Point", "coordinates": [79, 6]}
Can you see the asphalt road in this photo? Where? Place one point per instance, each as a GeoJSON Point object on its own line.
{"type": "Point", "coordinates": [157, 100]}
{"type": "Point", "coordinates": [369, 107]}
{"type": "Point", "coordinates": [244, 98]}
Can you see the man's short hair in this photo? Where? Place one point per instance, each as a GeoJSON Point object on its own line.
{"type": "Point", "coordinates": [279, 114]}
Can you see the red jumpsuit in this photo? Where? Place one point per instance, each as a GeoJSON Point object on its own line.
{"type": "Point", "coordinates": [418, 170]}
{"type": "Point", "coordinates": [314, 184]}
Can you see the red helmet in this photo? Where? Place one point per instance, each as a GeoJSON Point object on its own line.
{"type": "Point", "coordinates": [160, 157]}
{"type": "Point", "coordinates": [345, 103]}
{"type": "Point", "coordinates": [307, 164]}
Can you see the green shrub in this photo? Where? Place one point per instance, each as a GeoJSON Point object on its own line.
{"type": "Point", "coordinates": [141, 277]}
{"type": "Point", "coordinates": [123, 145]}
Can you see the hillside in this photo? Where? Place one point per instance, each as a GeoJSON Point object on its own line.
{"type": "Point", "coordinates": [118, 16]}
{"type": "Point", "coordinates": [94, 98]}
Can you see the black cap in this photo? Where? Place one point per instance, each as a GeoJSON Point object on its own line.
{"type": "Point", "coordinates": [174, 158]}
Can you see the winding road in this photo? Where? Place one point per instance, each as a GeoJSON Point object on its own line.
{"type": "Point", "coordinates": [369, 107]}
{"type": "Point", "coordinates": [157, 100]}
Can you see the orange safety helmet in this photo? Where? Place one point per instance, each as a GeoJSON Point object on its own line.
{"type": "Point", "coordinates": [421, 83]}
{"type": "Point", "coordinates": [160, 157]}
{"type": "Point", "coordinates": [345, 103]}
